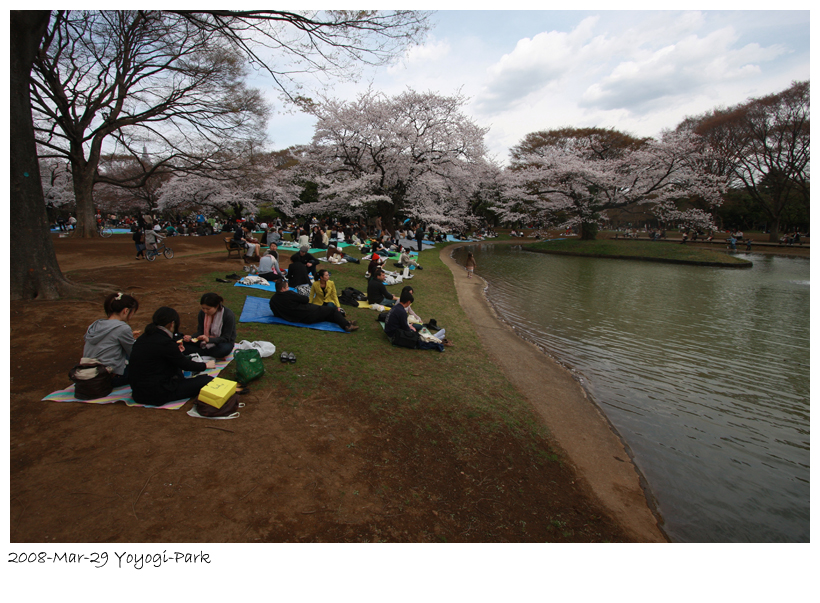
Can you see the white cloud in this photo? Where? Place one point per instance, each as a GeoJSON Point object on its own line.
{"type": "Point", "coordinates": [680, 69]}
{"type": "Point", "coordinates": [430, 51]}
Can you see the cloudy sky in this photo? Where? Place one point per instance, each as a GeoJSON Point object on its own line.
{"type": "Point", "coordinates": [637, 71]}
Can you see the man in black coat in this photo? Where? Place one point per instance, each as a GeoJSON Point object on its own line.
{"type": "Point", "coordinates": [288, 305]}
{"type": "Point", "coordinates": [303, 257]}
{"type": "Point", "coordinates": [420, 236]}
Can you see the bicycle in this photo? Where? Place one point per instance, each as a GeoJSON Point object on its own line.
{"type": "Point", "coordinates": [151, 254]}
{"type": "Point", "coordinates": [104, 230]}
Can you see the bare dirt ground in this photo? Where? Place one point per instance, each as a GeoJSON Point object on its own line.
{"type": "Point", "coordinates": [320, 469]}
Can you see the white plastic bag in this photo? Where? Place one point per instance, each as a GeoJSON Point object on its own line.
{"type": "Point", "coordinates": [266, 348]}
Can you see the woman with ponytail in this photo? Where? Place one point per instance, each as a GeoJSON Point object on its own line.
{"type": "Point", "coordinates": [110, 340]}
{"type": "Point", "coordinates": [157, 363]}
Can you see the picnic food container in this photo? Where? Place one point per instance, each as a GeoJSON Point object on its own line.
{"type": "Point", "coordinates": [217, 392]}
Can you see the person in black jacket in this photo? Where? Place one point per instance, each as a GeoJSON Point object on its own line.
{"type": "Point", "coordinates": [377, 293]}
{"type": "Point", "coordinates": [289, 305]}
{"type": "Point", "coordinates": [303, 257]}
{"type": "Point", "coordinates": [157, 362]}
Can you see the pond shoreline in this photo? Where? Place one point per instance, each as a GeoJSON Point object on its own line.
{"type": "Point", "coordinates": [576, 424]}
{"type": "Point", "coordinates": [747, 264]}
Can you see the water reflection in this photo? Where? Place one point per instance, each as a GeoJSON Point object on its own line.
{"type": "Point", "coordinates": [704, 372]}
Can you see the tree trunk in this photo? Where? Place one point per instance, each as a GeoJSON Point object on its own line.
{"type": "Point", "coordinates": [82, 174]}
{"type": "Point", "coordinates": [34, 270]}
{"type": "Point", "coordinates": [589, 231]}
{"type": "Point", "coordinates": [387, 211]}
{"type": "Point", "coordinates": [774, 231]}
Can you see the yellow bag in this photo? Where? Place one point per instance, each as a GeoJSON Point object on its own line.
{"type": "Point", "coordinates": [217, 392]}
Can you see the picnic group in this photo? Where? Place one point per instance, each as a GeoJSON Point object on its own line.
{"type": "Point", "coordinates": [153, 361]}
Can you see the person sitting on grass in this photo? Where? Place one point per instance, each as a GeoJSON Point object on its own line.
{"type": "Point", "coordinates": [323, 291]}
{"type": "Point", "coordinates": [377, 293]}
{"type": "Point", "coordinates": [289, 305]}
{"type": "Point", "coordinates": [269, 265]}
{"type": "Point", "coordinates": [303, 257]}
{"type": "Point", "coordinates": [400, 332]}
{"type": "Point", "coordinates": [406, 260]}
{"type": "Point", "coordinates": [376, 261]}
{"type": "Point", "coordinates": [215, 331]}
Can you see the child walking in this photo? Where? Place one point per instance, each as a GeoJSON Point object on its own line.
{"type": "Point", "coordinates": [470, 265]}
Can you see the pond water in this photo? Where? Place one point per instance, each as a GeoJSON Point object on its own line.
{"type": "Point", "coordinates": [703, 371]}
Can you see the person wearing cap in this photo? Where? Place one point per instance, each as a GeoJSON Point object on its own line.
{"type": "Point", "coordinates": [376, 261]}
{"type": "Point", "coordinates": [303, 257]}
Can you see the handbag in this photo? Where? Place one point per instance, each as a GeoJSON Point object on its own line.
{"type": "Point", "coordinates": [206, 410]}
{"type": "Point", "coordinates": [248, 365]}
{"type": "Point", "coordinates": [91, 379]}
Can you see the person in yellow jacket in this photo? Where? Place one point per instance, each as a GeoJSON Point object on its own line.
{"type": "Point", "coordinates": [323, 291]}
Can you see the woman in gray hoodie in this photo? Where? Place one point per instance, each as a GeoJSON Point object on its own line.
{"type": "Point", "coordinates": [110, 340]}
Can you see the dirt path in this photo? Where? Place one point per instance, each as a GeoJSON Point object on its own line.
{"type": "Point", "coordinates": [577, 425]}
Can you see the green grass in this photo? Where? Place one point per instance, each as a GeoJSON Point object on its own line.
{"type": "Point", "coordinates": [455, 395]}
{"type": "Point", "coordinates": [640, 250]}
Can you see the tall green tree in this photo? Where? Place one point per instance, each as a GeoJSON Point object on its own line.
{"type": "Point", "coordinates": [763, 147]}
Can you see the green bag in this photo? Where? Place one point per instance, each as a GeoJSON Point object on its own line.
{"type": "Point", "coordinates": [248, 365]}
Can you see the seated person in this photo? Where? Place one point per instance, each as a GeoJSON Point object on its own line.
{"type": "Point", "coordinates": [289, 305]}
{"type": "Point", "coordinates": [334, 255]}
{"type": "Point", "coordinates": [253, 246]}
{"type": "Point", "coordinates": [303, 257]}
{"type": "Point", "coordinates": [269, 265]}
{"type": "Point", "coordinates": [377, 293]}
{"type": "Point", "coordinates": [157, 362]}
{"type": "Point", "coordinates": [406, 260]}
{"type": "Point", "coordinates": [297, 275]}
{"type": "Point", "coordinates": [152, 239]}
{"type": "Point", "coordinates": [317, 239]}
{"type": "Point", "coordinates": [110, 340]}
{"type": "Point", "coordinates": [376, 261]}
{"type": "Point", "coordinates": [215, 330]}
{"type": "Point", "coordinates": [323, 291]}
{"type": "Point", "coordinates": [399, 330]}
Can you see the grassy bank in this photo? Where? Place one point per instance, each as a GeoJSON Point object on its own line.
{"type": "Point", "coordinates": [657, 251]}
{"type": "Point", "coordinates": [438, 436]}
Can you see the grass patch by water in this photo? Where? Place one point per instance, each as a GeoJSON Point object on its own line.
{"type": "Point", "coordinates": [659, 251]}
{"type": "Point", "coordinates": [458, 394]}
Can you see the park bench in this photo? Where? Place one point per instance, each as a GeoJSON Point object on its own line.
{"type": "Point", "coordinates": [233, 246]}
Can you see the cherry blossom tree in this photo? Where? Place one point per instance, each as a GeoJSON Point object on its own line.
{"type": "Point", "coordinates": [262, 183]}
{"type": "Point", "coordinates": [572, 184]}
{"type": "Point", "coordinates": [412, 153]}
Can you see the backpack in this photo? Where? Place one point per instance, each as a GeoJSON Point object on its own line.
{"type": "Point", "coordinates": [354, 293]}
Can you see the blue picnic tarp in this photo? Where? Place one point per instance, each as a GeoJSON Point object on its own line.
{"type": "Point", "coordinates": [257, 309]}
